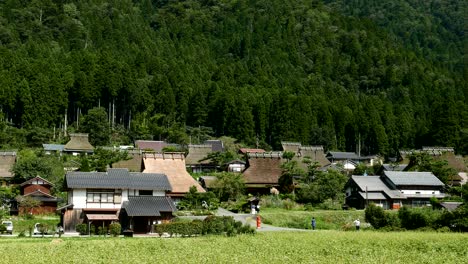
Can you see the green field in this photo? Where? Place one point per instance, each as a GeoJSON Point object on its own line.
{"type": "Point", "coordinates": [271, 247]}
{"type": "Point", "coordinates": [326, 219]}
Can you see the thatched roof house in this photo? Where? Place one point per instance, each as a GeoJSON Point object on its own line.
{"type": "Point", "coordinates": [78, 143]}
{"type": "Point", "coordinates": [264, 169]}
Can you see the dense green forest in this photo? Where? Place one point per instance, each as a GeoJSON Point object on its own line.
{"type": "Point", "coordinates": [386, 74]}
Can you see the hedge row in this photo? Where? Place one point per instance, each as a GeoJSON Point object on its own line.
{"type": "Point", "coordinates": [211, 225]}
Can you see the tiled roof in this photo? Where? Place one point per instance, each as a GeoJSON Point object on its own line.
{"type": "Point", "coordinates": [78, 142]}
{"type": "Point", "coordinates": [32, 181]}
{"type": "Point", "coordinates": [53, 147]}
{"type": "Point", "coordinates": [118, 179]}
{"type": "Point", "coordinates": [343, 155]}
{"type": "Point", "coordinates": [42, 196]}
{"type": "Point", "coordinates": [375, 184]}
{"type": "Point", "coordinates": [216, 145]}
{"type": "Point", "coordinates": [197, 153]}
{"type": "Point", "coordinates": [148, 205]}
{"type": "Point", "coordinates": [264, 168]}
{"type": "Point", "coordinates": [172, 165]}
{"type": "Point", "coordinates": [413, 178]}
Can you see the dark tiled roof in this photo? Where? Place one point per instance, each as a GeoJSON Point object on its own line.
{"type": "Point", "coordinates": [343, 155]}
{"type": "Point", "coordinates": [34, 181]}
{"type": "Point", "coordinates": [53, 147]}
{"type": "Point", "coordinates": [216, 145]}
{"type": "Point", "coordinates": [406, 178]}
{"type": "Point", "coordinates": [42, 196]}
{"type": "Point", "coordinates": [118, 179]}
{"type": "Point", "coordinates": [375, 184]}
{"type": "Point", "coordinates": [148, 205]}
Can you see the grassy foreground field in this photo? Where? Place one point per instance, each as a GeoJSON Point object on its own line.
{"type": "Point", "coordinates": [272, 247]}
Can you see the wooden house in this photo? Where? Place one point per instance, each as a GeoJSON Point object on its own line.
{"type": "Point", "coordinates": [39, 189]}
{"type": "Point", "coordinates": [136, 200]}
{"type": "Point", "coordinates": [78, 144]}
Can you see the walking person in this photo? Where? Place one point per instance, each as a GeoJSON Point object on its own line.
{"type": "Point", "coordinates": [313, 223]}
{"type": "Point", "coordinates": [357, 223]}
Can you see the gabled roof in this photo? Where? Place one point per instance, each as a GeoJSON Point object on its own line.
{"type": "Point", "coordinates": [172, 165]}
{"type": "Point", "coordinates": [264, 168]}
{"type": "Point", "coordinates": [216, 145]}
{"type": "Point", "coordinates": [397, 167]}
{"type": "Point", "coordinates": [118, 179]}
{"type": "Point", "coordinates": [7, 160]}
{"type": "Point", "coordinates": [235, 162]}
{"type": "Point", "coordinates": [134, 164]}
{"type": "Point", "coordinates": [247, 150]}
{"type": "Point", "coordinates": [78, 142]}
{"type": "Point", "coordinates": [42, 196]}
{"type": "Point", "coordinates": [36, 180]}
{"type": "Point", "coordinates": [53, 147]}
{"type": "Point", "coordinates": [406, 178]}
{"type": "Point", "coordinates": [375, 184]}
{"type": "Point", "coordinates": [314, 153]}
{"type": "Point", "coordinates": [197, 153]}
{"type": "Point", "coordinates": [148, 205]}
{"type": "Point", "coordinates": [342, 155]}
{"type": "Point", "coordinates": [290, 146]}
{"type": "Point", "coordinates": [156, 146]}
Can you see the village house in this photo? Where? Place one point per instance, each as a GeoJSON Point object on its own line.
{"type": "Point", "coordinates": [39, 189]}
{"type": "Point", "coordinates": [7, 160]}
{"type": "Point", "coordinates": [393, 189]}
{"type": "Point", "coordinates": [136, 200]}
{"type": "Point", "coordinates": [78, 144]}
{"type": "Point", "coordinates": [263, 171]}
{"type": "Point", "coordinates": [306, 155]}
{"type": "Point", "coordinates": [173, 166]}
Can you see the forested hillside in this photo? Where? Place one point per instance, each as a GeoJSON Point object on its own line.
{"type": "Point", "coordinates": [318, 73]}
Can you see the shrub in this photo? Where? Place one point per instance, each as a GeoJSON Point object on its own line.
{"type": "Point", "coordinates": [412, 219]}
{"type": "Point", "coordinates": [2, 228]}
{"type": "Point", "coordinates": [82, 229]}
{"type": "Point", "coordinates": [115, 229]}
{"type": "Point", "coordinates": [22, 234]}
{"type": "Point", "coordinates": [377, 217]}
{"type": "Point", "coordinates": [288, 204]}
{"type": "Point", "coordinates": [102, 231]}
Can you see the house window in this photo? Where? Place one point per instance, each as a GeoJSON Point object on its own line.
{"type": "Point", "coordinates": [145, 192]}
{"type": "Point", "coordinates": [100, 196]}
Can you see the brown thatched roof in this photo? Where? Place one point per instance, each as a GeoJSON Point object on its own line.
{"type": "Point", "coordinates": [135, 164]}
{"type": "Point", "coordinates": [264, 168]}
{"type": "Point", "coordinates": [197, 153]}
{"type": "Point", "coordinates": [79, 142]}
{"type": "Point", "coordinates": [314, 153]}
{"type": "Point", "coordinates": [291, 146]}
{"type": "Point", "coordinates": [173, 165]}
{"type": "Point", "coordinates": [7, 160]}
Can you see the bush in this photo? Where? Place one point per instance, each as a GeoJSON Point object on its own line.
{"type": "Point", "coordinates": [22, 234]}
{"type": "Point", "coordinates": [102, 231]}
{"type": "Point", "coordinates": [412, 219]}
{"type": "Point", "coordinates": [82, 229]}
{"type": "Point", "coordinates": [2, 228]}
{"type": "Point", "coordinates": [115, 229]}
{"type": "Point", "coordinates": [377, 217]}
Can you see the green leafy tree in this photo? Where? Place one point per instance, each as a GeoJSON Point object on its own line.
{"type": "Point", "coordinates": [229, 186]}
{"type": "Point", "coordinates": [96, 124]}
{"type": "Point", "coordinates": [27, 203]}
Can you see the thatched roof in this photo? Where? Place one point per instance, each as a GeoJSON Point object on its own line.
{"type": "Point", "coordinates": [263, 168]}
{"type": "Point", "coordinates": [314, 154]}
{"type": "Point", "coordinates": [7, 160]}
{"type": "Point", "coordinates": [173, 166]}
{"type": "Point", "coordinates": [135, 164]}
{"type": "Point", "coordinates": [79, 142]}
{"type": "Point", "coordinates": [197, 153]}
{"type": "Point", "coordinates": [291, 146]}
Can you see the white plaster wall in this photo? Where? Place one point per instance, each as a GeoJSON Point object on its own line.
{"type": "Point", "coordinates": [124, 195]}
{"type": "Point", "coordinates": [159, 193]}
{"type": "Point", "coordinates": [104, 205]}
{"type": "Point", "coordinates": [79, 198]}
{"type": "Point", "coordinates": [420, 191]}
